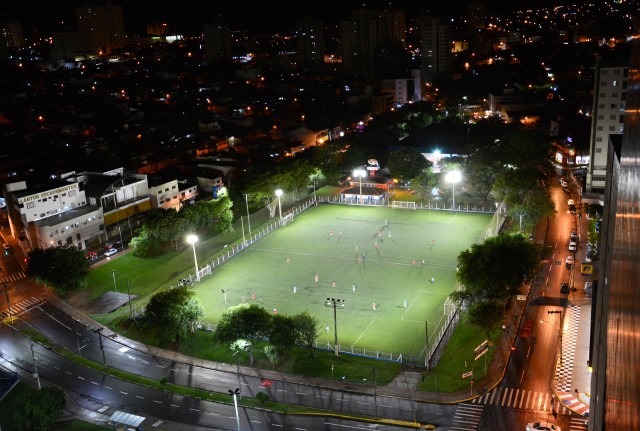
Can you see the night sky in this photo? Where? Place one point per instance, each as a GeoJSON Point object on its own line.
{"type": "Point", "coordinates": [241, 15]}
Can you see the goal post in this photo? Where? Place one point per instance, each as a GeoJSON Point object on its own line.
{"type": "Point", "coordinates": [403, 204]}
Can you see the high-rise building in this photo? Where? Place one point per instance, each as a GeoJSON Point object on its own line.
{"type": "Point", "coordinates": [11, 34]}
{"type": "Point", "coordinates": [102, 28]}
{"type": "Point", "coordinates": [436, 48]}
{"type": "Point", "coordinates": [310, 38]}
{"type": "Point", "coordinates": [615, 349]}
{"type": "Point", "coordinates": [217, 43]}
{"type": "Point", "coordinates": [609, 101]}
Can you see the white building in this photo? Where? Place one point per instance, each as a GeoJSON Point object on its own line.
{"type": "Point", "coordinates": [609, 103]}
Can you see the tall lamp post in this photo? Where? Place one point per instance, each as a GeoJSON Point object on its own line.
{"type": "Point", "coordinates": [453, 177]}
{"type": "Point", "coordinates": [360, 173]}
{"type": "Point", "coordinates": [335, 304]}
{"type": "Point", "coordinates": [6, 292]}
{"type": "Point", "coordinates": [224, 292]}
{"type": "Point", "coordinates": [559, 332]}
{"type": "Point", "coordinates": [246, 201]}
{"type": "Point", "coordinates": [235, 403]}
{"type": "Point", "coordinates": [192, 239]}
{"type": "Point", "coordinates": [115, 286]}
{"type": "Point", "coordinates": [279, 193]}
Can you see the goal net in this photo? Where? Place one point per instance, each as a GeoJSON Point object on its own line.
{"type": "Point", "coordinates": [403, 204]}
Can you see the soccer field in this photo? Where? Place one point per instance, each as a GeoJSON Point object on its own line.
{"type": "Point", "coordinates": [362, 255]}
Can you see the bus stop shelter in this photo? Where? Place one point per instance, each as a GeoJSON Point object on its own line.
{"type": "Point", "coordinates": [119, 419]}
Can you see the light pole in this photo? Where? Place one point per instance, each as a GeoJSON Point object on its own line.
{"type": "Point", "coordinates": [453, 177]}
{"type": "Point", "coordinates": [192, 239]}
{"type": "Point", "coordinates": [246, 201]}
{"type": "Point", "coordinates": [224, 292]}
{"type": "Point", "coordinates": [115, 286]}
{"type": "Point", "coordinates": [360, 173]}
{"type": "Point", "coordinates": [6, 292]}
{"type": "Point", "coordinates": [235, 403]}
{"type": "Point", "coordinates": [559, 333]}
{"type": "Point", "coordinates": [279, 193]}
{"type": "Point", "coordinates": [314, 189]}
{"type": "Point", "coordinates": [335, 304]}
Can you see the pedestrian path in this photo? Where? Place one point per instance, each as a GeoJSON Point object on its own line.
{"type": "Point", "coordinates": [521, 399]}
{"type": "Point", "coordinates": [13, 277]}
{"type": "Point", "coordinates": [20, 307]}
{"type": "Point", "coordinates": [467, 417]}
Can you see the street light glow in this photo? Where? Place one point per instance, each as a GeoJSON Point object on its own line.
{"type": "Point", "coordinates": [453, 177]}
{"type": "Point", "coordinates": [360, 173]}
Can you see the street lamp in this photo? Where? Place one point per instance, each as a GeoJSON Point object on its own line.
{"type": "Point", "coordinates": [453, 177]}
{"type": "Point", "coordinates": [246, 201]}
{"type": "Point", "coordinates": [6, 292]}
{"type": "Point", "coordinates": [559, 335]}
{"type": "Point", "coordinates": [115, 286]}
{"type": "Point", "coordinates": [192, 239]}
{"type": "Point", "coordinates": [224, 292]}
{"type": "Point", "coordinates": [235, 403]}
{"type": "Point", "coordinates": [335, 304]}
{"type": "Point", "coordinates": [360, 173]}
{"type": "Point", "coordinates": [279, 193]}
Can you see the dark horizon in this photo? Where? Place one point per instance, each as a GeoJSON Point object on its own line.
{"type": "Point", "coordinates": [274, 15]}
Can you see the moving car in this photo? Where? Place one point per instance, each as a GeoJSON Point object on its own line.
{"type": "Point", "coordinates": [7, 248]}
{"type": "Point", "coordinates": [573, 246]}
{"type": "Point", "coordinates": [569, 261]}
{"type": "Point", "coordinates": [542, 426]}
{"type": "Point", "coordinates": [564, 288]}
{"type": "Point", "coordinates": [110, 252]}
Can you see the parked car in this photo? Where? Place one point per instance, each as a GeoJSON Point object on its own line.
{"type": "Point", "coordinates": [542, 426]}
{"type": "Point", "coordinates": [570, 202]}
{"type": "Point", "coordinates": [569, 261]}
{"type": "Point", "coordinates": [110, 252]}
{"type": "Point", "coordinates": [573, 237]}
{"type": "Point", "coordinates": [566, 190]}
{"type": "Point", "coordinates": [573, 246]}
{"type": "Point", "coordinates": [7, 248]}
{"type": "Point", "coordinates": [92, 255]}
{"type": "Point", "coordinates": [572, 209]}
{"type": "Point", "coordinates": [564, 288]}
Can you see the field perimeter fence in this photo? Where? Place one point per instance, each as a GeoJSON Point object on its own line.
{"type": "Point", "coordinates": [247, 236]}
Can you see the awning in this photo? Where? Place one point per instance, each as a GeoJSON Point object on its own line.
{"type": "Point", "coordinates": [124, 418]}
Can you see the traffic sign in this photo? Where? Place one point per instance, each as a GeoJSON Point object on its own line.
{"type": "Point", "coordinates": [521, 297]}
{"type": "Point", "coordinates": [481, 352]}
{"type": "Point", "coordinates": [467, 374]}
{"type": "Point", "coordinates": [482, 346]}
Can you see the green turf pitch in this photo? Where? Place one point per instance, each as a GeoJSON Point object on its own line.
{"type": "Point", "coordinates": [379, 250]}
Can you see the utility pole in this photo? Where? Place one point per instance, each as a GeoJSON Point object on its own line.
{"type": "Point", "coordinates": [35, 367]}
{"type": "Point", "coordinates": [6, 292]}
{"type": "Point", "coordinates": [335, 304]}
{"type": "Point", "coordinates": [104, 358]}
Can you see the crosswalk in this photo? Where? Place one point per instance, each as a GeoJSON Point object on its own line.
{"type": "Point", "coordinates": [12, 277]}
{"type": "Point", "coordinates": [522, 399]}
{"type": "Point", "coordinates": [467, 417]}
{"type": "Point", "coordinates": [20, 307]}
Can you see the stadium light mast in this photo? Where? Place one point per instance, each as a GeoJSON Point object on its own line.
{"type": "Point", "coordinates": [360, 173]}
{"type": "Point", "coordinates": [335, 304]}
{"type": "Point", "coordinates": [453, 177]}
{"type": "Point", "coordinates": [279, 193]}
{"type": "Point", "coordinates": [192, 239]}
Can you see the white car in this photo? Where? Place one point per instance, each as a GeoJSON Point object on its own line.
{"type": "Point", "coordinates": [110, 252]}
{"type": "Point", "coordinates": [573, 246]}
{"type": "Point", "coordinates": [542, 426]}
{"type": "Point", "coordinates": [570, 202]}
{"type": "Point", "coordinates": [569, 261]}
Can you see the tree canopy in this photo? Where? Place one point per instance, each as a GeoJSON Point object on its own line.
{"type": "Point", "coordinates": [407, 163]}
{"type": "Point", "coordinates": [64, 269]}
{"type": "Point", "coordinates": [173, 313]}
{"type": "Point", "coordinates": [248, 322]}
{"type": "Point", "coordinates": [496, 268]}
{"type": "Point", "coordinates": [39, 410]}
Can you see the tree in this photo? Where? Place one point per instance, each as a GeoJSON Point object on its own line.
{"type": "Point", "coordinates": [63, 268]}
{"type": "Point", "coordinates": [282, 335]}
{"type": "Point", "coordinates": [244, 322]}
{"type": "Point", "coordinates": [307, 329]}
{"type": "Point", "coordinates": [496, 268]}
{"type": "Point", "coordinates": [38, 410]}
{"type": "Point", "coordinates": [485, 314]}
{"type": "Point", "coordinates": [424, 183]}
{"type": "Point", "coordinates": [407, 163]}
{"type": "Point", "coordinates": [173, 313]}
